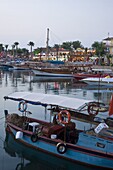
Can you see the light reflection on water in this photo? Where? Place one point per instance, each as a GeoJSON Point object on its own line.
{"type": "Point", "coordinates": [25, 81]}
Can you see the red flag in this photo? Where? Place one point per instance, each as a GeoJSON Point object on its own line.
{"type": "Point", "coordinates": [111, 106]}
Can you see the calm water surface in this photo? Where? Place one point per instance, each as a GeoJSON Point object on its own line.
{"type": "Point", "coordinates": [13, 156]}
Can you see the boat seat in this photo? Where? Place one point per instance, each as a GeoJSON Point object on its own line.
{"type": "Point", "coordinates": [54, 129]}
{"type": "Point", "coordinates": [32, 126]}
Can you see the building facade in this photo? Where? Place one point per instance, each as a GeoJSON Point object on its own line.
{"type": "Point", "coordinates": [109, 44]}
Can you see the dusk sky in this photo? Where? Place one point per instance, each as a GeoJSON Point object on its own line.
{"type": "Point", "coordinates": [68, 20]}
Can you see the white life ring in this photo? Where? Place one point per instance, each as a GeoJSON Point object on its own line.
{"type": "Point", "coordinates": [22, 107]}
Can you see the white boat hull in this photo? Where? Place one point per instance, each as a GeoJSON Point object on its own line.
{"type": "Point", "coordinates": [98, 81]}
{"type": "Point", "coordinates": [47, 74]}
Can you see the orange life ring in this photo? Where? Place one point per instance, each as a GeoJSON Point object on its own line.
{"type": "Point", "coordinates": [91, 111]}
{"type": "Point", "coordinates": [60, 116]}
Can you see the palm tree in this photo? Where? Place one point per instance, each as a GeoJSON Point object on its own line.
{"type": "Point", "coordinates": [16, 45]}
{"type": "Point", "coordinates": [31, 44]}
{"type": "Point", "coordinates": [13, 50]}
{"type": "Point", "coordinates": [86, 54]}
{"type": "Point", "coordinates": [6, 47]}
{"type": "Point", "coordinates": [1, 48]}
{"type": "Point", "coordinates": [100, 49]}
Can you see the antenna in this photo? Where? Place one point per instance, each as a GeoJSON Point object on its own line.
{"type": "Point", "coordinates": [98, 89]}
{"type": "Point", "coordinates": [108, 34]}
{"type": "Point", "coordinates": [47, 44]}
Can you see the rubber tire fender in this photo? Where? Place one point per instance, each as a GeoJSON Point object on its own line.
{"type": "Point", "coordinates": [61, 148]}
{"type": "Point", "coordinates": [34, 138]}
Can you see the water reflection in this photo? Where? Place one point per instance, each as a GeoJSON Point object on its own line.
{"type": "Point", "coordinates": [22, 158]}
{"type": "Point", "coordinates": [26, 81]}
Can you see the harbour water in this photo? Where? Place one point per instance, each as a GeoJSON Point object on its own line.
{"type": "Point", "coordinates": [13, 156]}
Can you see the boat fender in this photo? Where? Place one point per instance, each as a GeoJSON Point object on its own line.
{"type": "Point", "coordinates": [91, 111]}
{"type": "Point", "coordinates": [61, 114]}
{"type": "Point", "coordinates": [34, 138]}
{"type": "Point", "coordinates": [61, 148]}
{"type": "Point", "coordinates": [22, 107]}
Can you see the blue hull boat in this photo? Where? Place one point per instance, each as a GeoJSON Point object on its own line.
{"type": "Point", "coordinates": [35, 159]}
{"type": "Point", "coordinates": [59, 137]}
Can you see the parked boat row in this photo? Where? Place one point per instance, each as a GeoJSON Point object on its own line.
{"type": "Point", "coordinates": [14, 66]}
{"type": "Point", "coordinates": [93, 73]}
{"type": "Point", "coordinates": [91, 77]}
{"type": "Point", "coordinates": [44, 69]}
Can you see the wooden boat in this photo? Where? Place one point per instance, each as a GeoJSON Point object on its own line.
{"type": "Point", "coordinates": [80, 76]}
{"type": "Point", "coordinates": [58, 68]}
{"type": "Point", "coordinates": [95, 73]}
{"type": "Point", "coordinates": [60, 137]}
{"type": "Point", "coordinates": [38, 159]}
{"type": "Point", "coordinates": [53, 72]}
{"type": "Point", "coordinates": [108, 81]}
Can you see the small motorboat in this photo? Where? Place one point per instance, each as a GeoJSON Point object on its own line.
{"type": "Point", "coordinates": [94, 73]}
{"type": "Point", "coordinates": [108, 81]}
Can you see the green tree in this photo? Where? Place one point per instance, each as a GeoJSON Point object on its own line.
{"type": "Point", "coordinates": [6, 48]}
{"type": "Point", "coordinates": [37, 51]}
{"type": "Point", "coordinates": [13, 50]}
{"type": "Point", "coordinates": [99, 47]}
{"type": "Point", "coordinates": [16, 45]}
{"type": "Point", "coordinates": [1, 48]}
{"type": "Point", "coordinates": [76, 44]}
{"type": "Point", "coordinates": [25, 51]}
{"type": "Point", "coordinates": [67, 45]}
{"type": "Point", "coordinates": [71, 45]}
{"type": "Point", "coordinates": [31, 44]}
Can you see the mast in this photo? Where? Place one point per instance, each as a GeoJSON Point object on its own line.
{"type": "Point", "coordinates": [47, 45]}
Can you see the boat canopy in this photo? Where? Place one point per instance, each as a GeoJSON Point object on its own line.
{"type": "Point", "coordinates": [49, 100]}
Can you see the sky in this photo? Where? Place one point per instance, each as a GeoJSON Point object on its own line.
{"type": "Point", "coordinates": [86, 21]}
